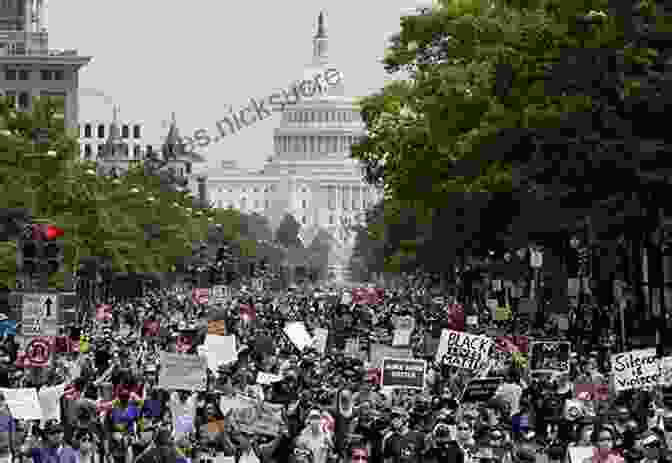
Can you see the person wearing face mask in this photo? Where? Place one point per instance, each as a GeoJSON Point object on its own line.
{"type": "Point", "coordinates": [401, 444]}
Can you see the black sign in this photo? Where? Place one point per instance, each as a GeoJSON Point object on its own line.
{"type": "Point", "coordinates": [550, 357]}
{"type": "Point", "coordinates": [481, 390]}
{"type": "Point", "coordinates": [404, 373]}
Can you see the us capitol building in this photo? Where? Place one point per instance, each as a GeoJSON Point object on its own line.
{"type": "Point", "coordinates": [311, 174]}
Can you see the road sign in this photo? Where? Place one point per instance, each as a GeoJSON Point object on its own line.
{"type": "Point", "coordinates": [40, 314]}
{"type": "Point", "coordinates": [219, 294]}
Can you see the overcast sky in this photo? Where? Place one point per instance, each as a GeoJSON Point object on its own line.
{"type": "Point", "coordinates": [196, 58]}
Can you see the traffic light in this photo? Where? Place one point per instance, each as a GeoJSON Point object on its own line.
{"type": "Point", "coordinates": [29, 262]}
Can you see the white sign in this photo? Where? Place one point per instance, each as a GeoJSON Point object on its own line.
{"type": "Point", "coordinates": [23, 403]}
{"type": "Point", "coordinates": [463, 350]}
{"type": "Point", "coordinates": [220, 350]}
{"type": "Point", "coordinates": [297, 333]}
{"type": "Point", "coordinates": [40, 314]}
{"type": "Point", "coordinates": [219, 294]}
{"type": "Point", "coordinates": [636, 369]}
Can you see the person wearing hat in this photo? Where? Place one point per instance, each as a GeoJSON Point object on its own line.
{"type": "Point", "coordinates": [401, 444]}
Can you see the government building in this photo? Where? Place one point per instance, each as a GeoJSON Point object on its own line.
{"type": "Point", "coordinates": [310, 174]}
{"type": "Point", "coordinates": [29, 68]}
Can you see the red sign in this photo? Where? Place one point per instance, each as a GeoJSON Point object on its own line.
{"type": "Point", "coordinates": [372, 296]}
{"type": "Point", "coordinates": [183, 344]}
{"type": "Point", "coordinates": [512, 344]}
{"type": "Point", "coordinates": [200, 296]}
{"type": "Point", "coordinates": [104, 312]}
{"type": "Point", "coordinates": [37, 353]}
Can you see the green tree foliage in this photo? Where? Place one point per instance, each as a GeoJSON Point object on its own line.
{"type": "Point", "coordinates": [537, 99]}
{"type": "Point", "coordinates": [101, 217]}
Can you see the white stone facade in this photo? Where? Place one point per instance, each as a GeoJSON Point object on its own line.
{"type": "Point", "coordinates": [311, 174]}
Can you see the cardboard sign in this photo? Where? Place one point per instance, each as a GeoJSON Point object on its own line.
{"type": "Point", "coordinates": [217, 327]}
{"type": "Point", "coordinates": [550, 357]}
{"type": "Point", "coordinates": [182, 371]}
{"type": "Point", "coordinates": [380, 351]}
{"type": "Point", "coordinates": [481, 390]}
{"type": "Point", "coordinates": [463, 350]}
{"type": "Point", "coordinates": [635, 369]}
{"type": "Point", "coordinates": [406, 373]}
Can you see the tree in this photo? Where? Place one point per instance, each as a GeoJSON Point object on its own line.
{"type": "Point", "coordinates": [287, 233]}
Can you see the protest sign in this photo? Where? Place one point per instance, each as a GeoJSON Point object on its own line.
{"type": "Point", "coordinates": [23, 403]}
{"type": "Point", "coordinates": [267, 378]}
{"type": "Point", "coordinates": [220, 350]}
{"type": "Point", "coordinates": [580, 454]}
{"type": "Point", "coordinates": [182, 371]}
{"type": "Point", "coordinates": [402, 331]}
{"type": "Point", "coordinates": [297, 333]}
{"type": "Point", "coordinates": [550, 357]}
{"type": "Point", "coordinates": [254, 417]}
{"type": "Point", "coordinates": [635, 369]}
{"type": "Point", "coordinates": [666, 371]}
{"type": "Point", "coordinates": [481, 390]}
{"type": "Point", "coordinates": [406, 373]}
{"type": "Point", "coordinates": [381, 351]}
{"type": "Point", "coordinates": [463, 350]}
{"type": "Point", "coordinates": [217, 327]}
{"type": "Point", "coordinates": [320, 339]}
{"type": "Point", "coordinates": [50, 401]}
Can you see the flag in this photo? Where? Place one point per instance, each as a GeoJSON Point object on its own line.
{"type": "Point", "coordinates": [327, 423]}
{"type": "Point", "coordinates": [183, 344]}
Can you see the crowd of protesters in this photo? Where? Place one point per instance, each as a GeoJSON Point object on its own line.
{"type": "Point", "coordinates": [110, 405]}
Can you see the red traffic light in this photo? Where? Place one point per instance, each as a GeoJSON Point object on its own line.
{"type": "Point", "coordinates": [47, 232]}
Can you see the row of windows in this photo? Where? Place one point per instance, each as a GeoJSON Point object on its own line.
{"type": "Point", "coordinates": [125, 131]}
{"type": "Point", "coordinates": [21, 100]}
{"type": "Point", "coordinates": [255, 189]}
{"type": "Point", "coordinates": [24, 74]}
{"type": "Point", "coordinates": [322, 116]}
{"type": "Point", "coordinates": [313, 144]}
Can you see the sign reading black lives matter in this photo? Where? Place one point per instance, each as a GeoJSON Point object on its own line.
{"type": "Point", "coordinates": [463, 350]}
{"type": "Point", "coordinates": [481, 390]}
{"type": "Point", "coordinates": [635, 369]}
{"type": "Point", "coordinates": [404, 373]}
{"type": "Point", "coordinates": [550, 357]}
